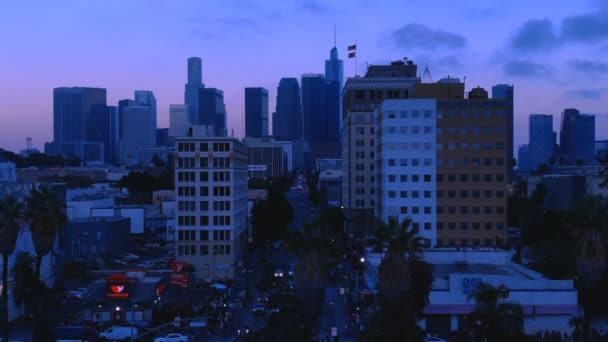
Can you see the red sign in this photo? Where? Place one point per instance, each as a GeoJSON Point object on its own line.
{"type": "Point", "coordinates": [179, 279]}
{"type": "Point", "coordinates": [118, 291]}
{"type": "Point", "coordinates": [179, 266]}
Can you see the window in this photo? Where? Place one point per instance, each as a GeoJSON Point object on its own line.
{"type": "Point", "coordinates": [427, 114]}
{"type": "Point", "coordinates": [403, 178]}
{"type": "Point", "coordinates": [487, 113]}
{"type": "Point", "coordinates": [403, 194]}
{"type": "Point", "coordinates": [439, 115]}
{"type": "Point", "coordinates": [500, 194]}
{"type": "Point", "coordinates": [475, 114]}
{"type": "Point", "coordinates": [451, 146]}
{"type": "Point", "coordinates": [452, 114]}
{"type": "Point", "coordinates": [439, 130]}
{"type": "Point", "coordinates": [427, 225]}
{"type": "Point", "coordinates": [427, 194]}
{"type": "Point", "coordinates": [475, 130]}
{"type": "Point", "coordinates": [439, 194]}
{"type": "Point", "coordinates": [391, 162]}
{"type": "Point", "coordinates": [403, 162]}
{"type": "Point", "coordinates": [439, 227]}
{"type": "Point", "coordinates": [427, 162]}
{"type": "Point", "coordinates": [500, 146]}
{"type": "Point", "coordinates": [416, 225]}
{"type": "Point", "coordinates": [487, 161]}
{"type": "Point", "coordinates": [391, 178]}
{"type": "Point", "coordinates": [487, 210]}
{"type": "Point", "coordinates": [452, 130]}
{"type": "Point", "coordinates": [475, 146]}
{"type": "Point", "coordinates": [464, 146]}
{"type": "Point", "coordinates": [427, 130]}
{"type": "Point", "coordinates": [464, 178]}
{"type": "Point", "coordinates": [415, 210]}
{"type": "Point", "coordinates": [487, 178]}
{"type": "Point", "coordinates": [464, 210]}
{"type": "Point", "coordinates": [487, 194]}
{"type": "Point", "coordinates": [464, 130]}
{"type": "Point", "coordinates": [464, 194]}
{"type": "Point", "coordinates": [475, 178]}
{"type": "Point", "coordinates": [427, 178]}
{"type": "Point", "coordinates": [500, 178]}
{"type": "Point", "coordinates": [427, 210]}
{"type": "Point", "coordinates": [440, 178]}
{"type": "Point", "coordinates": [452, 226]}
{"type": "Point", "coordinates": [464, 226]}
{"type": "Point", "coordinates": [452, 194]}
{"type": "Point", "coordinates": [204, 250]}
{"type": "Point", "coordinates": [475, 193]}
{"type": "Point", "coordinates": [476, 210]}
{"type": "Point", "coordinates": [500, 161]}
{"type": "Point", "coordinates": [451, 178]}
{"type": "Point", "coordinates": [475, 162]}
{"type": "Point", "coordinates": [415, 194]}
{"type": "Point", "coordinates": [415, 178]}
{"type": "Point", "coordinates": [451, 162]}
{"type": "Point", "coordinates": [487, 226]}
{"type": "Point", "coordinates": [403, 210]}
{"type": "Point", "coordinates": [391, 194]}
{"type": "Point", "coordinates": [500, 210]}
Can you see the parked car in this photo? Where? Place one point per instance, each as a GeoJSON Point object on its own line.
{"type": "Point", "coordinates": [259, 309]}
{"type": "Point", "coordinates": [172, 338]}
{"type": "Point", "coordinates": [130, 257]}
{"type": "Point", "coordinates": [152, 245]}
{"type": "Point", "coordinates": [146, 264]}
{"type": "Point", "coordinates": [118, 333]}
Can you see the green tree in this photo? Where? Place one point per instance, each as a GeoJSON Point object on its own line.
{"type": "Point", "coordinates": [589, 226]}
{"type": "Point", "coordinates": [312, 247]}
{"type": "Point", "coordinates": [271, 218]}
{"type": "Point", "coordinates": [10, 214]}
{"type": "Point", "coordinates": [47, 222]}
{"type": "Point", "coordinates": [404, 285]}
{"type": "Point", "coordinates": [495, 319]}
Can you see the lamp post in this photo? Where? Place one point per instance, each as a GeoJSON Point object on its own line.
{"type": "Point", "coordinates": [361, 260]}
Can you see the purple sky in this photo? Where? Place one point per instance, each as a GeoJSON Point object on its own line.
{"type": "Point", "coordinates": [553, 54]}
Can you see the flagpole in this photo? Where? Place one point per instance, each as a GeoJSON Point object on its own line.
{"type": "Point", "coordinates": [356, 58]}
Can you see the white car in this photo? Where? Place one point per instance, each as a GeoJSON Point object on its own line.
{"type": "Point", "coordinates": [130, 257]}
{"type": "Point", "coordinates": [278, 274]}
{"type": "Point", "coordinates": [172, 338]}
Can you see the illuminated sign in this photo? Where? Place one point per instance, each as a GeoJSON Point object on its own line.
{"type": "Point", "coordinates": [179, 266]}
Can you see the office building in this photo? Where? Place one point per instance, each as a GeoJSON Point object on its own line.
{"type": "Point", "coordinates": [334, 67]}
{"type": "Point", "coordinates": [320, 110]}
{"type": "Point", "coordinates": [150, 155]}
{"type": "Point", "coordinates": [112, 150]}
{"type": "Point", "coordinates": [78, 115]}
{"type": "Point", "coordinates": [146, 98]}
{"type": "Point", "coordinates": [267, 158]}
{"type": "Point", "coordinates": [577, 136]}
{"type": "Point", "coordinates": [138, 131]}
{"type": "Point", "coordinates": [287, 121]}
{"type": "Point", "coordinates": [523, 158]}
{"type": "Point", "coordinates": [178, 120]}
{"type": "Point", "coordinates": [334, 72]}
{"type": "Point", "coordinates": [95, 237]}
{"type": "Point", "coordinates": [212, 110]}
{"type": "Point", "coordinates": [505, 92]}
{"type": "Point", "coordinates": [541, 144]}
{"type": "Point", "coordinates": [211, 212]}
{"type": "Point", "coordinates": [361, 96]}
{"type": "Point", "coordinates": [195, 82]}
{"type": "Point", "coordinates": [256, 112]}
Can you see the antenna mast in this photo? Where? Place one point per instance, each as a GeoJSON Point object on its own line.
{"type": "Point", "coordinates": [335, 35]}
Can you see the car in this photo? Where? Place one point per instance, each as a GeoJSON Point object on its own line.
{"type": "Point", "coordinates": [263, 299]}
{"type": "Point", "coordinates": [118, 262]}
{"type": "Point", "coordinates": [146, 264]}
{"type": "Point", "coordinates": [273, 311]}
{"type": "Point", "coordinates": [172, 338]}
{"type": "Point", "coordinates": [277, 244]}
{"type": "Point", "coordinates": [244, 331]}
{"type": "Point", "coordinates": [259, 309]}
{"type": "Point", "coordinates": [433, 339]}
{"type": "Point", "coordinates": [75, 295]}
{"type": "Point", "coordinates": [152, 245]}
{"type": "Point", "coordinates": [130, 257]}
{"type": "Point", "coordinates": [278, 273]}
{"type": "Point", "coordinates": [117, 333]}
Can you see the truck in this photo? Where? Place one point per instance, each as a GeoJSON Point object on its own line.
{"type": "Point", "coordinates": [118, 333]}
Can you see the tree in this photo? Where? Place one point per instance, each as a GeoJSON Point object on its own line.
{"type": "Point", "coordinates": [10, 213]}
{"type": "Point", "coordinates": [589, 226]}
{"type": "Point", "coordinates": [404, 285]}
{"type": "Point", "coordinates": [271, 218]}
{"type": "Point", "coordinates": [495, 319]}
{"type": "Point", "coordinates": [312, 247]}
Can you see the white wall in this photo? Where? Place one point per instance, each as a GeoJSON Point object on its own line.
{"type": "Point", "coordinates": [82, 209]}
{"type": "Point", "coordinates": [135, 214]}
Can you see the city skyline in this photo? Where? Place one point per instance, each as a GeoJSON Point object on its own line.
{"type": "Point", "coordinates": [511, 50]}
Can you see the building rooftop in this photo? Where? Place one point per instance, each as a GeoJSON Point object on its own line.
{"type": "Point", "coordinates": [99, 219]}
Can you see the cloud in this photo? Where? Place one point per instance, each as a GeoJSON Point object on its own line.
{"type": "Point", "coordinates": [415, 35]}
{"type": "Point", "coordinates": [588, 94]}
{"type": "Point", "coordinates": [591, 27]}
{"type": "Point", "coordinates": [535, 35]}
{"type": "Point", "coordinates": [235, 22]}
{"type": "Point", "coordinates": [313, 6]}
{"type": "Point", "coordinates": [589, 66]}
{"type": "Point", "coordinates": [524, 68]}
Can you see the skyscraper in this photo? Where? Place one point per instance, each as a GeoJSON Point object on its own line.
{"type": "Point", "coordinates": [191, 94]}
{"type": "Point", "coordinates": [577, 136]}
{"type": "Point", "coordinates": [313, 97]}
{"type": "Point", "coordinates": [138, 131]}
{"type": "Point", "coordinates": [79, 116]}
{"type": "Point", "coordinates": [287, 120]}
{"type": "Point", "coordinates": [113, 148]}
{"type": "Point", "coordinates": [212, 110]}
{"type": "Point", "coordinates": [256, 112]}
{"type": "Point", "coordinates": [334, 67]}
{"type": "Point", "coordinates": [506, 92]}
{"type": "Point", "coordinates": [146, 98]}
{"type": "Point", "coordinates": [178, 120]}
{"type": "Point", "coordinates": [523, 158]}
{"type": "Point", "coordinates": [541, 144]}
{"type": "Point", "coordinates": [331, 110]}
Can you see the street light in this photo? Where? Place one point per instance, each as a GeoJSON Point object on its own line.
{"type": "Point", "coordinates": [361, 260]}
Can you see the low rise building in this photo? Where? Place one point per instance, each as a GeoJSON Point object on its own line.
{"type": "Point", "coordinates": [95, 237]}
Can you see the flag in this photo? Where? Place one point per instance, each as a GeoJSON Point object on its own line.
{"type": "Point", "coordinates": [352, 47]}
{"type": "Point", "coordinates": [351, 54]}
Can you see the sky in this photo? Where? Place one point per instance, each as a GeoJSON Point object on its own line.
{"type": "Point", "coordinates": [553, 52]}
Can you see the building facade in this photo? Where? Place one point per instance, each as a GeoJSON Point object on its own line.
{"type": "Point", "coordinates": [267, 158]}
{"type": "Point", "coordinates": [541, 140]}
{"type": "Point", "coordinates": [256, 112]}
{"type": "Point", "coordinates": [577, 136]}
{"type": "Point", "coordinates": [178, 120]}
{"type": "Point", "coordinates": [94, 237]}
{"type": "Point", "coordinates": [523, 158]}
{"type": "Point", "coordinates": [506, 92]}
{"type": "Point", "coordinates": [211, 211]}
{"type": "Point", "coordinates": [287, 121]}
{"type": "Point", "coordinates": [212, 110]}
{"type": "Point", "coordinates": [138, 131]}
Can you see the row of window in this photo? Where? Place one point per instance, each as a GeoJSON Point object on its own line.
{"type": "Point", "coordinates": [414, 130]}
{"type": "Point", "coordinates": [472, 162]}
{"type": "Point", "coordinates": [404, 114]}
{"type": "Point", "coordinates": [190, 220]}
{"type": "Point", "coordinates": [361, 130]}
{"type": "Point", "coordinates": [190, 176]}
{"type": "Point", "coordinates": [473, 146]}
{"type": "Point", "coordinates": [190, 162]}
{"type": "Point", "coordinates": [473, 114]}
{"type": "Point", "coordinates": [440, 194]}
{"type": "Point", "coordinates": [204, 147]}
{"type": "Point", "coordinates": [203, 235]}
{"type": "Point", "coordinates": [404, 178]}
{"type": "Point", "coordinates": [190, 191]}
{"type": "Point", "coordinates": [474, 242]}
{"type": "Point", "coordinates": [191, 250]}
{"type": "Point", "coordinates": [452, 210]}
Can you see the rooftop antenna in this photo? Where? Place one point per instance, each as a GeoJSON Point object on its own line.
{"type": "Point", "coordinates": [334, 35]}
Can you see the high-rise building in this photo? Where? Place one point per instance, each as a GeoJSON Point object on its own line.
{"type": "Point", "coordinates": [79, 116]}
{"type": "Point", "coordinates": [212, 110]}
{"type": "Point", "coordinates": [442, 162]}
{"type": "Point", "coordinates": [523, 158]}
{"type": "Point", "coordinates": [178, 120]}
{"type": "Point", "coordinates": [138, 131]}
{"type": "Point", "coordinates": [334, 67]}
{"type": "Point", "coordinates": [113, 148]}
{"type": "Point", "coordinates": [577, 136]}
{"type": "Point", "coordinates": [256, 112]}
{"type": "Point", "coordinates": [313, 109]}
{"type": "Point", "coordinates": [211, 211]}
{"type": "Point", "coordinates": [121, 105]}
{"type": "Point", "coordinates": [287, 122]}
{"type": "Point", "coordinates": [146, 98]}
{"type": "Point", "coordinates": [195, 82]}
{"type": "Point", "coordinates": [361, 97]}
{"type": "Point", "coordinates": [506, 92]}
{"type": "Point", "coordinates": [541, 143]}
{"type": "Point", "coordinates": [268, 158]}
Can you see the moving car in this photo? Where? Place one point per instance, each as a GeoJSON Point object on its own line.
{"type": "Point", "coordinates": [433, 339]}
{"type": "Point", "coordinates": [278, 273]}
{"type": "Point", "coordinates": [244, 331]}
{"type": "Point", "coordinates": [172, 338]}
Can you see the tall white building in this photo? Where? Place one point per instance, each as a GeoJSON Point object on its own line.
{"type": "Point", "coordinates": [211, 211]}
{"type": "Point", "coordinates": [406, 166]}
{"type": "Point", "coordinates": [178, 120]}
{"type": "Point", "coordinates": [139, 131]}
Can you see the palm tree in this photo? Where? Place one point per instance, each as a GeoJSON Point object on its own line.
{"type": "Point", "coordinates": [312, 246]}
{"type": "Point", "coordinates": [10, 212]}
{"type": "Point", "coordinates": [394, 274]}
{"type": "Point", "coordinates": [495, 318]}
{"type": "Point", "coordinates": [589, 226]}
{"type": "Point", "coordinates": [47, 221]}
